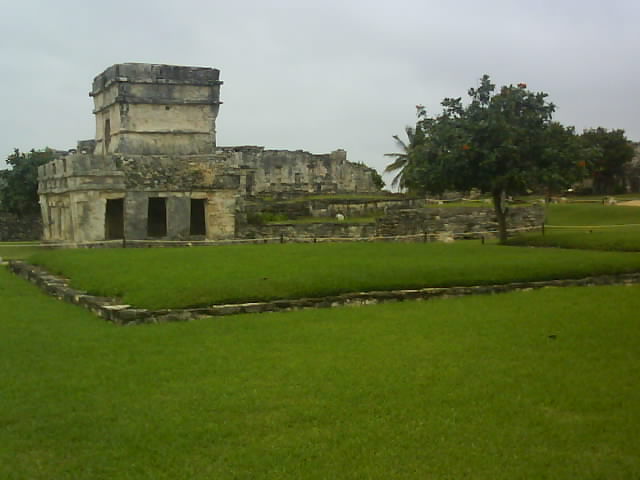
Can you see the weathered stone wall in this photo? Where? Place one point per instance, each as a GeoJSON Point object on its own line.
{"type": "Point", "coordinates": [154, 161]}
{"type": "Point", "coordinates": [358, 208]}
{"type": "Point", "coordinates": [80, 172]}
{"type": "Point", "coordinates": [276, 171]}
{"type": "Point", "coordinates": [437, 223]}
{"type": "Point", "coordinates": [86, 146]}
{"type": "Point", "coordinates": [455, 220]}
{"type": "Point", "coordinates": [74, 192]}
{"type": "Point", "coordinates": [310, 230]}
{"type": "Point", "coordinates": [297, 208]}
{"type": "Point", "coordinates": [152, 109]}
{"type": "Point", "coordinates": [19, 229]}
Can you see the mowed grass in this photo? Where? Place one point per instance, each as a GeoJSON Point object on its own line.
{"type": "Point", "coordinates": [607, 228]}
{"type": "Point", "coordinates": [456, 388]}
{"type": "Point", "coordinates": [17, 250]}
{"type": "Point", "coordinates": [181, 277]}
{"type": "Point", "coordinates": [591, 214]}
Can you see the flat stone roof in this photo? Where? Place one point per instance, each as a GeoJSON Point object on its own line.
{"type": "Point", "coordinates": [155, 73]}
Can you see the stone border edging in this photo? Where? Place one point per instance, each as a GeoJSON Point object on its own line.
{"type": "Point", "coordinates": [114, 311]}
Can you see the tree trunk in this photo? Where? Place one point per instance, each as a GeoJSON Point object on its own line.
{"type": "Point", "coordinates": [500, 208]}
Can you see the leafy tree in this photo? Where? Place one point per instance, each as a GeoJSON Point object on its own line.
{"type": "Point", "coordinates": [19, 193]}
{"type": "Point", "coordinates": [564, 159]}
{"type": "Point", "coordinates": [377, 179]}
{"type": "Point", "coordinates": [500, 143]}
{"type": "Point", "coordinates": [612, 152]}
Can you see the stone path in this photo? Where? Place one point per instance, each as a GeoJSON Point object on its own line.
{"type": "Point", "coordinates": [115, 311]}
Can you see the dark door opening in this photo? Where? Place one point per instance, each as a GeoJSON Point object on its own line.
{"type": "Point", "coordinates": [157, 217]}
{"type": "Point", "coordinates": [114, 219]}
{"type": "Point", "coordinates": [107, 135]}
{"type": "Point", "coordinates": [198, 224]}
{"type": "Point", "coordinates": [250, 182]}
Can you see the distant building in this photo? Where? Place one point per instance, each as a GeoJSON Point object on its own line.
{"type": "Point", "coordinates": [154, 170]}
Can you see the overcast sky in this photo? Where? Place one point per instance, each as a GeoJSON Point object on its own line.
{"type": "Point", "coordinates": [319, 75]}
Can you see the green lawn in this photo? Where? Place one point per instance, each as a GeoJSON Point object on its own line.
{"type": "Point", "coordinates": [621, 239]}
{"type": "Point", "coordinates": [180, 277]}
{"type": "Point", "coordinates": [619, 197]}
{"type": "Point", "coordinates": [591, 214]}
{"type": "Point", "coordinates": [14, 250]}
{"type": "Point", "coordinates": [593, 226]}
{"type": "Point", "coordinates": [448, 389]}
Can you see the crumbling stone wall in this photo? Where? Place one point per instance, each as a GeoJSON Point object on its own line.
{"type": "Point", "coordinates": [456, 220]}
{"type": "Point", "coordinates": [151, 109]}
{"type": "Point", "coordinates": [75, 190]}
{"type": "Point", "coordinates": [436, 222]}
{"type": "Point", "coordinates": [154, 167]}
{"type": "Point", "coordinates": [19, 229]}
{"type": "Point", "coordinates": [294, 208]}
{"type": "Point", "coordinates": [276, 171]}
{"type": "Point", "coordinates": [310, 230]}
{"type": "Point", "coordinates": [358, 208]}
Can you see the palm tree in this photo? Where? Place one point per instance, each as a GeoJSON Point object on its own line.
{"type": "Point", "coordinates": [404, 158]}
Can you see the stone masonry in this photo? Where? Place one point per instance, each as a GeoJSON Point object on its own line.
{"type": "Point", "coordinates": [156, 109]}
{"type": "Point", "coordinates": [154, 171]}
{"type": "Point", "coordinates": [402, 224]}
{"type": "Point", "coordinates": [19, 229]}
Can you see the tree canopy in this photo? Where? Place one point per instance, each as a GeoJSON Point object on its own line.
{"type": "Point", "coordinates": [612, 151]}
{"type": "Point", "coordinates": [19, 192]}
{"type": "Point", "coordinates": [500, 142]}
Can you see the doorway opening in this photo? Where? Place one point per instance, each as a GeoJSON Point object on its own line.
{"type": "Point", "coordinates": [157, 217]}
{"type": "Point", "coordinates": [107, 135]}
{"type": "Point", "coordinates": [114, 219]}
{"type": "Point", "coordinates": [198, 224]}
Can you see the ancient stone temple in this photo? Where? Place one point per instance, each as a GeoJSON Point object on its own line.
{"type": "Point", "coordinates": [156, 109]}
{"type": "Point", "coordinates": [154, 170]}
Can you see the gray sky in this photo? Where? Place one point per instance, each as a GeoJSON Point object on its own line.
{"type": "Point", "coordinates": [319, 75]}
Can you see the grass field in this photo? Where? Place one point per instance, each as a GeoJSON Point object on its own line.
{"type": "Point", "coordinates": [592, 214]}
{"type": "Point", "coordinates": [12, 250]}
{"type": "Point", "coordinates": [539, 384]}
{"type": "Point", "coordinates": [448, 389]}
{"type": "Point", "coordinates": [607, 228]}
{"type": "Point", "coordinates": [620, 239]}
{"type": "Point", "coordinates": [619, 197]}
{"type": "Point", "coordinates": [180, 277]}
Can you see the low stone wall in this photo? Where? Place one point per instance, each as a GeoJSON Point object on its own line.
{"type": "Point", "coordinates": [113, 310]}
{"type": "Point", "coordinates": [416, 224]}
{"type": "Point", "coordinates": [331, 207]}
{"type": "Point", "coordinates": [474, 221]}
{"type": "Point", "coordinates": [20, 229]}
{"type": "Point", "coordinates": [310, 230]}
{"type": "Point", "coordinates": [359, 208]}
{"type": "Point", "coordinates": [279, 171]}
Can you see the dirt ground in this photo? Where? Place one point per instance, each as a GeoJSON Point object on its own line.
{"type": "Point", "coordinates": [630, 203]}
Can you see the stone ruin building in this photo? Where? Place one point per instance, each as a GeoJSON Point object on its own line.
{"type": "Point", "coordinates": [154, 170]}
